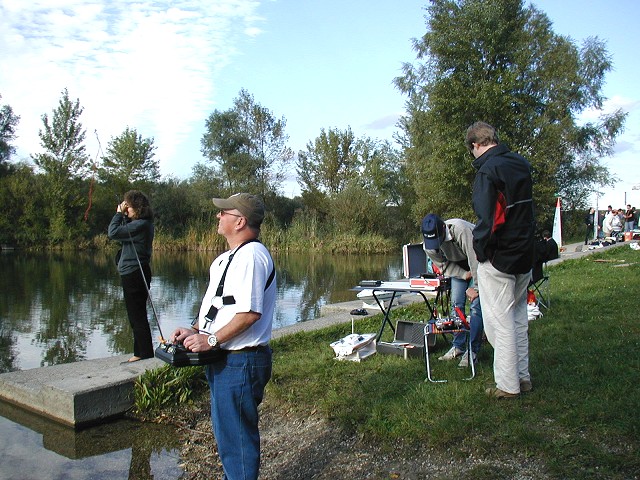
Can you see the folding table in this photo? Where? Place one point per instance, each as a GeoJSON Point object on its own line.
{"type": "Point", "coordinates": [438, 303]}
{"type": "Point", "coordinates": [398, 287]}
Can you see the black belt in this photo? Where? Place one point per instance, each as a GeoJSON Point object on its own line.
{"type": "Point", "coordinates": [258, 348]}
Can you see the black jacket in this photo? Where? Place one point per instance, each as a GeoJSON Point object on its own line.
{"type": "Point", "coordinates": [503, 202]}
{"type": "Point", "coordinates": [588, 219]}
{"type": "Point", "coordinates": [545, 250]}
{"type": "Point", "coordinates": [132, 234]}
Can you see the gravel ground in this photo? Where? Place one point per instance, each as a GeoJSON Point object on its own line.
{"type": "Point", "coordinates": [302, 448]}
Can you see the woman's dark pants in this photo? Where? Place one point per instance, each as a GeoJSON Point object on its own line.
{"type": "Point", "coordinates": [135, 299]}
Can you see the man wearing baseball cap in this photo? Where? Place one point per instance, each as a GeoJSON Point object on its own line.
{"type": "Point", "coordinates": [236, 315]}
{"type": "Point", "coordinates": [249, 206]}
{"type": "Point", "coordinates": [449, 245]}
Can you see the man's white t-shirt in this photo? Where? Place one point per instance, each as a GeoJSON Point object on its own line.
{"type": "Point", "coordinates": [245, 281]}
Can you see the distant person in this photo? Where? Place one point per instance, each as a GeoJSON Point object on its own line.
{"type": "Point", "coordinates": [132, 226]}
{"type": "Point", "coordinates": [607, 223]}
{"type": "Point", "coordinates": [237, 318]}
{"type": "Point", "coordinates": [629, 218]}
{"type": "Point", "coordinates": [449, 245]}
{"type": "Point", "coordinates": [553, 249]}
{"type": "Point", "coordinates": [503, 240]}
{"type": "Point", "coordinates": [617, 223]}
{"type": "Point", "coordinates": [589, 220]}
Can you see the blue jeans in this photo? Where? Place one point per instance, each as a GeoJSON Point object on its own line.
{"type": "Point", "coordinates": [459, 299]}
{"type": "Point", "coordinates": [237, 385]}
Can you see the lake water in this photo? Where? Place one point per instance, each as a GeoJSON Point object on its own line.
{"type": "Point", "coordinates": [67, 306]}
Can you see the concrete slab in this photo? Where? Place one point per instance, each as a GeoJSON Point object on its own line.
{"type": "Point", "coordinates": [76, 394]}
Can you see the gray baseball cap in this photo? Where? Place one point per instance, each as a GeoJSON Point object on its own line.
{"type": "Point", "coordinates": [250, 206]}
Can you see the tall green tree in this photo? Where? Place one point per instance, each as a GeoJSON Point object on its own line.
{"type": "Point", "coordinates": [500, 62]}
{"type": "Point", "coordinates": [204, 184]}
{"type": "Point", "coordinates": [329, 162]}
{"type": "Point", "coordinates": [225, 146]}
{"type": "Point", "coordinates": [129, 162]}
{"type": "Point", "coordinates": [326, 168]}
{"type": "Point", "coordinates": [248, 147]}
{"type": "Point", "coordinates": [22, 222]}
{"type": "Point", "coordinates": [267, 142]}
{"type": "Point", "coordinates": [384, 175]}
{"type": "Point", "coordinates": [351, 182]}
{"type": "Point", "coordinates": [66, 165]}
{"type": "Point", "coordinates": [8, 123]}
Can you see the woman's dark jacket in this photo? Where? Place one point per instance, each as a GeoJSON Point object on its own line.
{"type": "Point", "coordinates": [141, 231]}
{"type": "Point", "coordinates": [503, 202]}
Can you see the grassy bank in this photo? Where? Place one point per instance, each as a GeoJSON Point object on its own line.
{"type": "Point", "coordinates": [580, 421]}
{"type": "Point", "coordinates": [277, 240]}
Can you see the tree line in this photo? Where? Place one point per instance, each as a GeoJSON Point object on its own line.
{"type": "Point", "coordinates": [495, 61]}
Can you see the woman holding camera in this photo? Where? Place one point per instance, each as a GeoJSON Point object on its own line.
{"type": "Point", "coordinates": [132, 226]}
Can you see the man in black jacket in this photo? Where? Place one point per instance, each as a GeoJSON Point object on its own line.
{"type": "Point", "coordinates": [504, 246]}
{"type": "Point", "coordinates": [589, 219]}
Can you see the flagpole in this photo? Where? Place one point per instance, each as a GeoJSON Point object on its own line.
{"type": "Point", "coordinates": [596, 220]}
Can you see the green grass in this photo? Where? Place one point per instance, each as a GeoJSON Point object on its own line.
{"type": "Point", "coordinates": [581, 420]}
{"type": "Point", "coordinates": [166, 388]}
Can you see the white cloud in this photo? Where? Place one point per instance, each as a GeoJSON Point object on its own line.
{"type": "Point", "coordinates": [147, 65]}
{"type": "Point", "coordinates": [383, 123]}
{"type": "Point", "coordinates": [610, 105]}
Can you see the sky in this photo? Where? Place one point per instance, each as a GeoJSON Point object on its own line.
{"type": "Point", "coordinates": [162, 67]}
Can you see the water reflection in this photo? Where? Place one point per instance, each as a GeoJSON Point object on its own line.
{"type": "Point", "coordinates": [64, 307]}
{"type": "Point", "coordinates": [39, 448]}
{"type": "Point", "coordinates": [58, 308]}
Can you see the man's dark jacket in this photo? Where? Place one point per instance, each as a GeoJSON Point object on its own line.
{"type": "Point", "coordinates": [503, 203]}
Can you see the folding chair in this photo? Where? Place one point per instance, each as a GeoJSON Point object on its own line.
{"type": "Point", "coordinates": [540, 285]}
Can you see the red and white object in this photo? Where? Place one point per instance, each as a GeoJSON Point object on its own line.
{"type": "Point", "coordinates": [425, 283]}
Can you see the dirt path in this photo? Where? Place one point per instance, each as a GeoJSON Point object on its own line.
{"type": "Point", "coordinates": [304, 448]}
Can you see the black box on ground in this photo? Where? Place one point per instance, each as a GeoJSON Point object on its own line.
{"type": "Point", "coordinates": [408, 340]}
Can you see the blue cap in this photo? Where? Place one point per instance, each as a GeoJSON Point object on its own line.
{"type": "Point", "coordinates": [433, 231]}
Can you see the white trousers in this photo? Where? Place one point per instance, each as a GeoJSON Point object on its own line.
{"type": "Point", "coordinates": [503, 297]}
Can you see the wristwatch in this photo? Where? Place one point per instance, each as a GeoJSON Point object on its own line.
{"type": "Point", "coordinates": [212, 340]}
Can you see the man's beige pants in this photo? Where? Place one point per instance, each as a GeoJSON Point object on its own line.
{"type": "Point", "coordinates": [503, 297]}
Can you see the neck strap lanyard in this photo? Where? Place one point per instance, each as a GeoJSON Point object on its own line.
{"type": "Point", "coordinates": [229, 300]}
